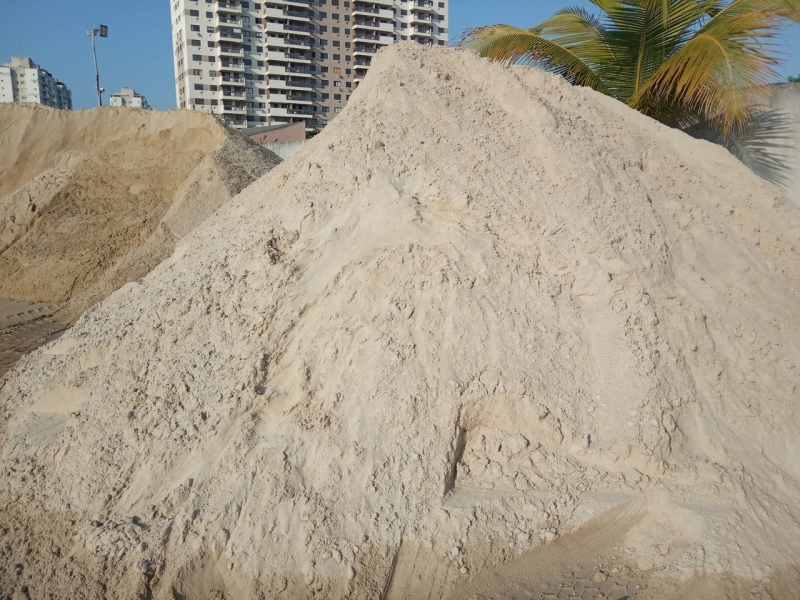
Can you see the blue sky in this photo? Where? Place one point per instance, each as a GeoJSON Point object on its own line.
{"type": "Point", "coordinates": [138, 52]}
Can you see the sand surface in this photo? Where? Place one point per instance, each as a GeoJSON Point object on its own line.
{"type": "Point", "coordinates": [23, 328]}
{"type": "Point", "coordinates": [515, 342]}
{"type": "Point", "coordinates": [90, 200]}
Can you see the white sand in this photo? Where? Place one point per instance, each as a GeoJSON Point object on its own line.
{"type": "Point", "coordinates": [488, 335]}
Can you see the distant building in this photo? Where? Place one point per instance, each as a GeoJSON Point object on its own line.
{"type": "Point", "coordinates": [269, 62]}
{"type": "Point", "coordinates": [22, 80]}
{"type": "Point", "coordinates": [129, 97]}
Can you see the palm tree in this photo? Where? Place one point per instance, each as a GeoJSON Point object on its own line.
{"type": "Point", "coordinates": [678, 61]}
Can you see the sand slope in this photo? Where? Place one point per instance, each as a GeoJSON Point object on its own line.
{"type": "Point", "coordinates": [519, 341]}
{"type": "Point", "coordinates": [90, 200]}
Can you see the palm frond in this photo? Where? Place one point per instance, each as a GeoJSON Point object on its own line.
{"type": "Point", "coordinates": [722, 71]}
{"type": "Point", "coordinates": [511, 45]}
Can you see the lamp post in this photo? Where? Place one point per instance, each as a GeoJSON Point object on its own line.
{"type": "Point", "coordinates": [102, 31]}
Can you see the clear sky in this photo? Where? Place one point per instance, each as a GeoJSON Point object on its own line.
{"type": "Point", "coordinates": [138, 50]}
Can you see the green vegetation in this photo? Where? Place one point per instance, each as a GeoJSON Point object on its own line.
{"type": "Point", "coordinates": [678, 61]}
{"type": "Point", "coordinates": [794, 79]}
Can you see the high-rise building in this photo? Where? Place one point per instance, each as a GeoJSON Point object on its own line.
{"type": "Point", "coordinates": [282, 61]}
{"type": "Point", "coordinates": [22, 80]}
{"type": "Point", "coordinates": [128, 97]}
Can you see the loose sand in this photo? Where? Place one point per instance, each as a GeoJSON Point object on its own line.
{"type": "Point", "coordinates": [486, 336]}
{"type": "Point", "coordinates": [90, 200]}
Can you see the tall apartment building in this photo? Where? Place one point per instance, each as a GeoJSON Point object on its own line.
{"type": "Point", "coordinates": [283, 61]}
{"type": "Point", "coordinates": [128, 97]}
{"type": "Point", "coordinates": [22, 80]}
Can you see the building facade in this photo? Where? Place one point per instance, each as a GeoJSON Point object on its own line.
{"type": "Point", "coordinates": [283, 61]}
{"type": "Point", "coordinates": [22, 80]}
{"type": "Point", "coordinates": [129, 97]}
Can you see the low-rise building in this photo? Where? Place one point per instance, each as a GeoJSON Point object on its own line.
{"type": "Point", "coordinates": [22, 80]}
{"type": "Point", "coordinates": [277, 134]}
{"type": "Point", "coordinates": [129, 97]}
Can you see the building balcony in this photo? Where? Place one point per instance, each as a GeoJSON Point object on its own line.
{"type": "Point", "coordinates": [233, 81]}
{"type": "Point", "coordinates": [299, 98]}
{"type": "Point", "coordinates": [372, 12]}
{"type": "Point", "coordinates": [373, 37]}
{"type": "Point", "coordinates": [290, 97]}
{"type": "Point", "coordinates": [287, 28]}
{"type": "Point", "coordinates": [230, 51]}
{"type": "Point", "coordinates": [299, 84]}
{"type": "Point", "coordinates": [292, 14]}
{"type": "Point", "coordinates": [233, 22]}
{"type": "Point", "coordinates": [232, 94]}
{"type": "Point", "coordinates": [232, 66]}
{"type": "Point", "coordinates": [422, 6]}
{"type": "Point", "coordinates": [233, 109]}
{"type": "Point", "coordinates": [300, 71]}
{"type": "Point", "coordinates": [227, 35]}
{"type": "Point", "coordinates": [228, 8]}
{"type": "Point", "coordinates": [280, 42]}
{"type": "Point", "coordinates": [364, 51]}
{"type": "Point", "coordinates": [373, 25]}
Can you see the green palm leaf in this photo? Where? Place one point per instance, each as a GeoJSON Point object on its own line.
{"type": "Point", "coordinates": [675, 60]}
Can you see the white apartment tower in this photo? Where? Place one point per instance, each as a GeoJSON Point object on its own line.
{"type": "Point", "coordinates": [282, 61]}
{"type": "Point", "coordinates": [22, 80]}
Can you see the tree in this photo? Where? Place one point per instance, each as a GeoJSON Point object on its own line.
{"type": "Point", "coordinates": [794, 79]}
{"type": "Point", "coordinates": [678, 61]}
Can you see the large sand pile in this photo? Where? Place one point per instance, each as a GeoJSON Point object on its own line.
{"type": "Point", "coordinates": [90, 200]}
{"type": "Point", "coordinates": [487, 336]}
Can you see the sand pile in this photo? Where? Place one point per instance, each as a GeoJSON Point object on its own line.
{"type": "Point", "coordinates": [488, 335]}
{"type": "Point", "coordinates": [90, 200]}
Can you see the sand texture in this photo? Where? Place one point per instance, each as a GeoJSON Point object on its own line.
{"type": "Point", "coordinates": [90, 200]}
{"type": "Point", "coordinates": [486, 336]}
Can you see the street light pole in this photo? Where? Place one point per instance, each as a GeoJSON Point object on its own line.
{"type": "Point", "coordinates": [102, 31]}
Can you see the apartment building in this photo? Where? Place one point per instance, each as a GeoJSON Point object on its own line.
{"type": "Point", "coordinates": [284, 61]}
{"type": "Point", "coordinates": [22, 80]}
{"type": "Point", "coordinates": [129, 97]}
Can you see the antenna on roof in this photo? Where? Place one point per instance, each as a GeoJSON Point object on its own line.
{"type": "Point", "coordinates": [102, 31]}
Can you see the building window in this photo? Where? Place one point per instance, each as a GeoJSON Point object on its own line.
{"type": "Point", "coordinates": [195, 28]}
{"type": "Point", "coordinates": [194, 13]}
{"type": "Point", "coordinates": [337, 84]}
{"type": "Point", "coordinates": [337, 109]}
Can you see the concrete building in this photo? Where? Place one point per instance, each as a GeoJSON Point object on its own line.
{"type": "Point", "coordinates": [283, 61]}
{"type": "Point", "coordinates": [129, 97]}
{"type": "Point", "coordinates": [277, 134]}
{"type": "Point", "coordinates": [22, 80]}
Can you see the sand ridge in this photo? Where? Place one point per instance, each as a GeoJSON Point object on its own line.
{"type": "Point", "coordinates": [444, 338]}
{"type": "Point", "coordinates": [90, 200]}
